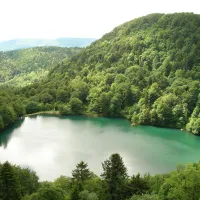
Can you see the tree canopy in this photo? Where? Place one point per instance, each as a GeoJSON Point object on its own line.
{"type": "Point", "coordinates": [26, 66]}
{"type": "Point", "coordinates": [114, 183]}
{"type": "Point", "coordinates": [146, 70]}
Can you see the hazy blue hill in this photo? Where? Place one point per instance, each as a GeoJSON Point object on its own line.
{"type": "Point", "coordinates": [60, 42]}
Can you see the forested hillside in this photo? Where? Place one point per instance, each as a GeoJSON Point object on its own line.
{"type": "Point", "coordinates": [146, 70]}
{"type": "Point", "coordinates": [22, 67]}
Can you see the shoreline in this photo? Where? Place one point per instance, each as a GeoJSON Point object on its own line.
{"type": "Point", "coordinates": [87, 114]}
{"type": "Point", "coordinates": [57, 113]}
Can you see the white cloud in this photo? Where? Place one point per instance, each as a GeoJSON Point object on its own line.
{"type": "Point", "coordinates": [77, 18]}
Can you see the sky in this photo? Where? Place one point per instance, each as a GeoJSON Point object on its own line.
{"type": "Point", "coordinates": [49, 19]}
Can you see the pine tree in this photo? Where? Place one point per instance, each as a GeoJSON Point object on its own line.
{"type": "Point", "coordinates": [9, 185]}
{"type": "Point", "coordinates": [81, 173]}
{"type": "Point", "coordinates": [114, 178]}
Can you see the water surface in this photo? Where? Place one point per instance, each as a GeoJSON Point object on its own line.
{"type": "Point", "coordinates": [52, 146]}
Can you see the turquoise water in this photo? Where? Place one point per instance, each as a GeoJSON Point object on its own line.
{"type": "Point", "coordinates": [52, 146]}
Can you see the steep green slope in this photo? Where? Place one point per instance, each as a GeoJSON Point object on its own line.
{"type": "Point", "coordinates": [146, 70]}
{"type": "Point", "coordinates": [22, 67]}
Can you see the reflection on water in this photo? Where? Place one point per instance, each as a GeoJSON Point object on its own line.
{"type": "Point", "coordinates": [6, 135]}
{"type": "Point", "coordinates": [52, 146]}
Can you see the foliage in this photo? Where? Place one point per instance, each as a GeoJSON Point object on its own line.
{"type": "Point", "coordinates": [75, 195]}
{"type": "Point", "coordinates": [48, 193]}
{"type": "Point", "coordinates": [114, 177]}
{"type": "Point", "coordinates": [11, 108]}
{"type": "Point", "coordinates": [28, 180]}
{"type": "Point", "coordinates": [9, 185]}
{"type": "Point", "coordinates": [194, 122]}
{"type": "Point", "coordinates": [146, 70]}
{"type": "Point", "coordinates": [63, 182]}
{"type": "Point", "coordinates": [145, 197]}
{"type": "Point", "coordinates": [138, 185]}
{"type": "Point", "coordinates": [85, 195]}
{"type": "Point", "coordinates": [22, 67]}
{"type": "Point", "coordinates": [81, 173]}
{"type": "Point", "coordinates": [181, 184]}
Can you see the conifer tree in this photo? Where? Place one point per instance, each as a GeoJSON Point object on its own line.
{"type": "Point", "coordinates": [114, 178]}
{"type": "Point", "coordinates": [81, 173]}
{"type": "Point", "coordinates": [9, 184]}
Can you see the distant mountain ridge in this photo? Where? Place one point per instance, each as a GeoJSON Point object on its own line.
{"type": "Point", "coordinates": [16, 44]}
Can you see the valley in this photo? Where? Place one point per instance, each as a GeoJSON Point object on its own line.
{"type": "Point", "coordinates": [66, 115]}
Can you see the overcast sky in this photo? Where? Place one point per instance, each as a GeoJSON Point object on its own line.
{"type": "Point", "coordinates": [78, 18]}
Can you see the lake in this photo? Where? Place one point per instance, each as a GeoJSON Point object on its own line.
{"type": "Point", "coordinates": [52, 146]}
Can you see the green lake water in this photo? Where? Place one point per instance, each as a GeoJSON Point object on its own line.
{"type": "Point", "coordinates": [52, 146]}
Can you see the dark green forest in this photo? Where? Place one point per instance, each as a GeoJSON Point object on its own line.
{"type": "Point", "coordinates": [26, 66]}
{"type": "Point", "coordinates": [146, 70]}
{"type": "Point", "coordinates": [114, 183]}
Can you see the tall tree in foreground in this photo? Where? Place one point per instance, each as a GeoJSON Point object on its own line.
{"type": "Point", "coordinates": [114, 178]}
{"type": "Point", "coordinates": [9, 185]}
{"type": "Point", "coordinates": [81, 173]}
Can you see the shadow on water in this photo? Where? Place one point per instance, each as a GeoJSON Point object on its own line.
{"type": "Point", "coordinates": [97, 120]}
{"type": "Point", "coordinates": [6, 135]}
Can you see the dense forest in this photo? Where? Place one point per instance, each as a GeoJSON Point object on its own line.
{"type": "Point", "coordinates": [18, 183]}
{"type": "Point", "coordinates": [11, 108]}
{"type": "Point", "coordinates": [22, 67]}
{"type": "Point", "coordinates": [146, 70]}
